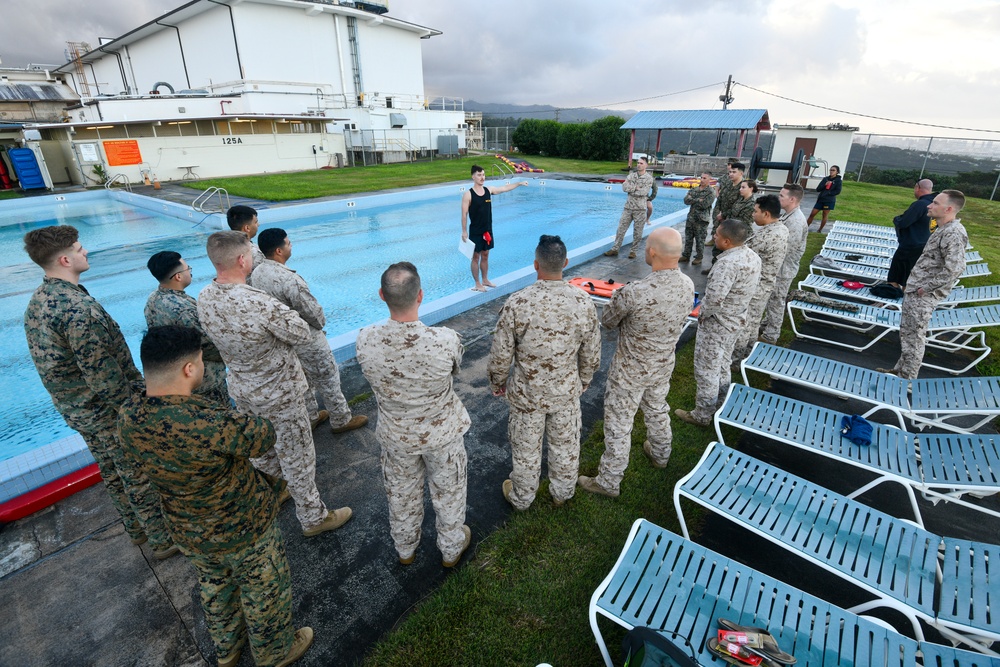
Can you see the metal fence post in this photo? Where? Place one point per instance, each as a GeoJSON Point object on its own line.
{"type": "Point", "coordinates": [861, 167]}
{"type": "Point", "coordinates": [926, 154]}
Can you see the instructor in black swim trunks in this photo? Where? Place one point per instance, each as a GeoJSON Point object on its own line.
{"type": "Point", "coordinates": [476, 207]}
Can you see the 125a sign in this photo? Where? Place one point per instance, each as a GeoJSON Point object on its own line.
{"type": "Point", "coordinates": [231, 141]}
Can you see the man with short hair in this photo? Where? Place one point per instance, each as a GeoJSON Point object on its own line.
{"type": "Point", "coordinates": [769, 240]}
{"type": "Point", "coordinates": [546, 349]}
{"type": "Point", "coordinates": [171, 305]}
{"type": "Point", "coordinates": [242, 218]}
{"type": "Point", "coordinates": [256, 335]}
{"type": "Point", "coordinates": [641, 188]}
{"type": "Point", "coordinates": [274, 277]}
{"type": "Point", "coordinates": [699, 201]}
{"type": "Point", "coordinates": [649, 315]}
{"type": "Point", "coordinates": [421, 420]}
{"type": "Point", "coordinates": [931, 281]}
{"type": "Point", "coordinates": [477, 207]}
{"type": "Point", "coordinates": [220, 509]}
{"type": "Point", "coordinates": [913, 228]}
{"type": "Point", "coordinates": [731, 285]}
{"type": "Point", "coordinates": [85, 365]}
{"type": "Point", "coordinates": [729, 194]}
{"type": "Point", "coordinates": [798, 232]}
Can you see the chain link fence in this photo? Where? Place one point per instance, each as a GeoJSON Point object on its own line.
{"type": "Point", "coordinates": [969, 165]}
{"type": "Point", "coordinates": [367, 147]}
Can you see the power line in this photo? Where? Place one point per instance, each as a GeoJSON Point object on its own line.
{"type": "Point", "coordinates": [864, 115]}
{"type": "Point", "coordinates": [611, 104]}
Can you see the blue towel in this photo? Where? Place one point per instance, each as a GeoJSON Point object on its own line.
{"type": "Point", "coordinates": [856, 429]}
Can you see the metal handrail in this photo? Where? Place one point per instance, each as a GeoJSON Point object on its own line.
{"type": "Point", "coordinates": [502, 168]}
{"type": "Point", "coordinates": [115, 179]}
{"type": "Point", "coordinates": [201, 201]}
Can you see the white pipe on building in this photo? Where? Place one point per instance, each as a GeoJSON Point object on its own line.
{"type": "Point", "coordinates": [340, 55]}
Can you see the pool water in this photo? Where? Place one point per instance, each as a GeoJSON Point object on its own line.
{"type": "Point", "coordinates": [340, 253]}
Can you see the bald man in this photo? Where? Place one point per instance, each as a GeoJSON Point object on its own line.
{"type": "Point", "coordinates": [649, 315]}
{"type": "Point", "coordinates": [913, 228]}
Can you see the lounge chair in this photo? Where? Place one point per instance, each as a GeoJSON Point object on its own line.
{"type": "Point", "coordinates": [880, 261]}
{"type": "Point", "coordinates": [936, 402]}
{"type": "Point", "coordinates": [959, 295]}
{"type": "Point", "coordinates": [950, 329]}
{"type": "Point", "coordinates": [940, 466]}
{"type": "Point", "coordinates": [834, 241]}
{"type": "Point", "coordinates": [864, 230]}
{"type": "Point", "coordinates": [873, 274]}
{"type": "Point", "coordinates": [673, 585]}
{"type": "Point", "coordinates": [902, 565]}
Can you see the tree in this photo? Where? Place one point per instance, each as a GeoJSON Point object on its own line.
{"type": "Point", "coordinates": [572, 140]}
{"type": "Point", "coordinates": [606, 140]}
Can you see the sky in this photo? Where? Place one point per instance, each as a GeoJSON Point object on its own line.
{"type": "Point", "coordinates": [915, 60]}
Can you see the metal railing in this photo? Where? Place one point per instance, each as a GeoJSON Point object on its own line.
{"type": "Point", "coordinates": [118, 178]}
{"type": "Point", "coordinates": [503, 170]}
{"type": "Point", "coordinates": [202, 201]}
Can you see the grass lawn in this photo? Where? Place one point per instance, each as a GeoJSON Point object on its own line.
{"type": "Point", "coordinates": [351, 180]}
{"type": "Point", "coordinates": [10, 194]}
{"type": "Point", "coordinates": [523, 599]}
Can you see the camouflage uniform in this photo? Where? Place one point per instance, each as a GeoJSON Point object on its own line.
{"type": "Point", "coordinates": [258, 256]}
{"type": "Point", "coordinates": [769, 242]}
{"type": "Point", "coordinates": [222, 512]}
{"type": "Point", "coordinates": [740, 209]}
{"type": "Point", "coordinates": [255, 334]}
{"type": "Point", "coordinates": [649, 315]}
{"type": "Point", "coordinates": [798, 232]}
{"type": "Point", "coordinates": [167, 307]}
{"type": "Point", "coordinates": [85, 365]}
{"type": "Point", "coordinates": [421, 424]}
{"type": "Point", "coordinates": [731, 284]}
{"type": "Point", "coordinates": [699, 215]}
{"type": "Point", "coordinates": [728, 195]}
{"type": "Point", "coordinates": [936, 272]}
{"type": "Point", "coordinates": [316, 357]}
{"type": "Point", "coordinates": [550, 332]}
{"type": "Point", "coordinates": [640, 189]}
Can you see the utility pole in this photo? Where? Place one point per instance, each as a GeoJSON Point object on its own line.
{"type": "Point", "coordinates": [726, 100]}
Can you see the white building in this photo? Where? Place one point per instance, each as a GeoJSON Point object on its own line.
{"type": "Point", "coordinates": [218, 88]}
{"type": "Point", "coordinates": [828, 145]}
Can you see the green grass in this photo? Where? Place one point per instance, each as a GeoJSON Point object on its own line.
{"type": "Point", "coordinates": [352, 180]}
{"type": "Point", "coordinates": [10, 194]}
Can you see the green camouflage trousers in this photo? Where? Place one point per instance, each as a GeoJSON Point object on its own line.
{"type": "Point", "coordinates": [137, 502]}
{"type": "Point", "coordinates": [248, 592]}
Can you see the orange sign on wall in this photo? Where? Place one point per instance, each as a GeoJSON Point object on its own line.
{"type": "Point", "coordinates": [122, 152]}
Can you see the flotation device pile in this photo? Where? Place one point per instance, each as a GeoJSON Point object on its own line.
{"type": "Point", "coordinates": [596, 287]}
{"type": "Point", "coordinates": [518, 167]}
{"type": "Point", "coordinates": [689, 182]}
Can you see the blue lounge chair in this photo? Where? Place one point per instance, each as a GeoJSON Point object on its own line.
{"type": "Point", "coordinates": [826, 285]}
{"type": "Point", "coordinates": [874, 274]}
{"type": "Point", "coordinates": [878, 261]}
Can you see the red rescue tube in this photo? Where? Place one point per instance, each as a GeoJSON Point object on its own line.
{"type": "Point", "coordinates": [49, 494]}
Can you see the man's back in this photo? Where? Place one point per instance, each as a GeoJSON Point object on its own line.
{"type": "Point", "coordinates": [410, 367]}
{"type": "Point", "coordinates": [798, 234]}
{"type": "Point", "coordinates": [289, 288]}
{"type": "Point", "coordinates": [551, 333]}
{"type": "Point", "coordinates": [913, 226]}
{"type": "Point", "coordinates": [769, 242]}
{"type": "Point", "coordinates": [80, 354]}
{"type": "Point", "coordinates": [170, 307]}
{"type": "Point", "coordinates": [732, 283]}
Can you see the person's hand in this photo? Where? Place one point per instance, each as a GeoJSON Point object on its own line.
{"type": "Point", "coordinates": [499, 391]}
{"type": "Point", "coordinates": [920, 291]}
{"type": "Point", "coordinates": [718, 217]}
{"type": "Point", "coordinates": [465, 237]}
{"type": "Point", "coordinates": [523, 183]}
{"type": "Point", "coordinates": [584, 389]}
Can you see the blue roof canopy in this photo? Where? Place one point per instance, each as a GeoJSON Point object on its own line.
{"type": "Point", "coordinates": [706, 119]}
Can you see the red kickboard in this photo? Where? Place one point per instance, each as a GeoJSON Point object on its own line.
{"type": "Point", "coordinates": [597, 287]}
{"type": "Point", "coordinates": [49, 494]}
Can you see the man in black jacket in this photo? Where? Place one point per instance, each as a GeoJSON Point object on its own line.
{"type": "Point", "coordinates": [913, 228]}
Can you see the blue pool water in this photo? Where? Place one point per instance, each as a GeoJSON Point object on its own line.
{"type": "Point", "coordinates": [340, 248]}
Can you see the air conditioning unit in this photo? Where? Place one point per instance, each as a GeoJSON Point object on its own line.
{"type": "Point", "coordinates": [463, 126]}
{"type": "Point", "coordinates": [352, 126]}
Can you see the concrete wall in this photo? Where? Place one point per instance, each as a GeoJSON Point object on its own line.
{"type": "Point", "coordinates": [391, 64]}
{"type": "Point", "coordinates": [831, 145]}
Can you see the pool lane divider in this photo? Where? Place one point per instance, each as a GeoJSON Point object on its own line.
{"type": "Point", "coordinates": [49, 494]}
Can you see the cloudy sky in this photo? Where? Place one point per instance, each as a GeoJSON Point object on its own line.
{"type": "Point", "coordinates": [917, 60]}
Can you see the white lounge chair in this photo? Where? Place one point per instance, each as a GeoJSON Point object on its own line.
{"type": "Point", "coordinates": [827, 285]}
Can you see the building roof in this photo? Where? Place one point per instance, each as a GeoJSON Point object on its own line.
{"type": "Point", "coordinates": [700, 119]}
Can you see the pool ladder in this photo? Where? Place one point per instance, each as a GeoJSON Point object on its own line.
{"type": "Point", "coordinates": [502, 169]}
{"type": "Point", "coordinates": [118, 178]}
{"type": "Point", "coordinates": [203, 200]}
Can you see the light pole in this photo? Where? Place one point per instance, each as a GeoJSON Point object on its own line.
{"type": "Point", "coordinates": [997, 169]}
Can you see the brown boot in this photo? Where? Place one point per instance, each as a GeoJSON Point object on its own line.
{"type": "Point", "coordinates": [696, 262]}
{"type": "Point", "coordinates": [611, 253]}
{"type": "Point", "coordinates": [357, 421]}
{"type": "Point", "coordinates": [303, 640]}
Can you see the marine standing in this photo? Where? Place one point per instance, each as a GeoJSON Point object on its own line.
{"type": "Point", "coordinates": [421, 420]}
{"type": "Point", "coordinates": [171, 305]}
{"type": "Point", "coordinates": [550, 334]}
{"type": "Point", "coordinates": [477, 223]}
{"type": "Point", "coordinates": [699, 201]}
{"type": "Point", "coordinates": [274, 277]}
{"type": "Point", "coordinates": [242, 218]}
{"type": "Point", "coordinates": [641, 188]}
{"type": "Point", "coordinates": [219, 507]}
{"type": "Point", "coordinates": [931, 281]}
{"type": "Point", "coordinates": [256, 335]}
{"type": "Point", "coordinates": [726, 206]}
{"type": "Point", "coordinates": [731, 284]}
{"type": "Point", "coordinates": [798, 232]}
{"type": "Point", "coordinates": [649, 315]}
{"type": "Point", "coordinates": [86, 366]}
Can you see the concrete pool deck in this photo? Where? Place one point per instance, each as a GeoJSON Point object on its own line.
{"type": "Point", "coordinates": [75, 591]}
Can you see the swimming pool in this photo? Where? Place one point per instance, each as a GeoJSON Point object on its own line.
{"type": "Point", "coordinates": [340, 247]}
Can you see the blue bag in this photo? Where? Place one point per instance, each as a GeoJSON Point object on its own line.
{"type": "Point", "coordinates": [856, 429]}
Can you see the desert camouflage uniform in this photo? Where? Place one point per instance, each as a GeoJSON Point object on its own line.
{"type": "Point", "coordinates": [316, 357]}
{"type": "Point", "coordinates": [729, 194]}
{"type": "Point", "coordinates": [731, 284]}
{"type": "Point", "coordinates": [258, 256]}
{"type": "Point", "coordinates": [640, 189]}
{"type": "Point", "coordinates": [222, 512]}
{"type": "Point", "coordinates": [936, 272]}
{"type": "Point", "coordinates": [85, 365]}
{"type": "Point", "coordinates": [740, 209]}
{"type": "Point", "coordinates": [166, 307]}
{"type": "Point", "coordinates": [255, 334]}
{"type": "Point", "coordinates": [798, 232]}
{"type": "Point", "coordinates": [550, 332]}
{"type": "Point", "coordinates": [421, 424]}
{"type": "Point", "coordinates": [769, 242]}
{"type": "Point", "coordinates": [649, 315]}
{"type": "Point", "coordinates": [699, 215]}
